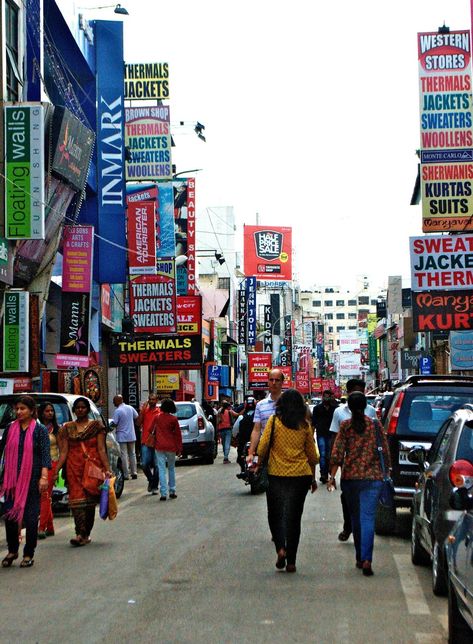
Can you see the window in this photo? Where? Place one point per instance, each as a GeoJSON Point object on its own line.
{"type": "Point", "coordinates": [374, 302]}
{"type": "Point", "coordinates": [351, 302]}
{"type": "Point", "coordinates": [328, 302]}
{"type": "Point", "coordinates": [340, 316]}
{"type": "Point", "coordinates": [316, 303]}
{"type": "Point", "coordinates": [329, 316]}
{"type": "Point", "coordinates": [352, 316]}
{"type": "Point", "coordinates": [352, 328]}
{"type": "Point", "coordinates": [330, 329]}
{"type": "Point", "coordinates": [224, 283]}
{"type": "Point", "coordinates": [340, 328]}
{"type": "Point", "coordinates": [12, 51]}
{"type": "Point", "coordinates": [340, 302]}
{"type": "Point", "coordinates": [363, 299]}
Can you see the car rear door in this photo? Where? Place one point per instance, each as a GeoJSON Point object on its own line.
{"type": "Point", "coordinates": [187, 417]}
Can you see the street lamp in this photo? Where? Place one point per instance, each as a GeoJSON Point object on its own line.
{"type": "Point", "coordinates": [117, 9]}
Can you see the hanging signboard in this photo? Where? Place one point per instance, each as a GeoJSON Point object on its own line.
{"type": "Point", "coordinates": [441, 262]}
{"type": "Point", "coordinates": [24, 171]}
{"type": "Point", "coordinates": [145, 81]}
{"type": "Point", "coordinates": [167, 380]}
{"type": "Point", "coordinates": [250, 292]}
{"type": "Point", "coordinates": [141, 225]}
{"type": "Point", "coordinates": [153, 300]}
{"type": "Point", "coordinates": [73, 144]}
{"type": "Point", "coordinates": [259, 364]}
{"type": "Point", "coordinates": [178, 351]}
{"type": "Point", "coordinates": [303, 382]}
{"type": "Point", "coordinates": [189, 314]}
{"type": "Point", "coordinates": [461, 350]}
{"type": "Point", "coordinates": [148, 142]}
{"type": "Point", "coordinates": [16, 331]}
{"type": "Point", "coordinates": [268, 252]}
{"type": "Point", "coordinates": [184, 221]}
{"type": "Point", "coordinates": [442, 311]}
{"type": "Point", "coordinates": [268, 335]}
{"type": "Point", "coordinates": [242, 315]}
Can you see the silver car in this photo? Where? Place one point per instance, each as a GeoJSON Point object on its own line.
{"type": "Point", "coordinates": [198, 434]}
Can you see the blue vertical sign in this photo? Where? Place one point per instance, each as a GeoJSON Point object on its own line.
{"type": "Point", "coordinates": [250, 288]}
{"type": "Point", "coordinates": [111, 243]}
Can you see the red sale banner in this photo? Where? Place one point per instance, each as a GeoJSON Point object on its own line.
{"type": "Point", "coordinates": [258, 366]}
{"type": "Point", "coordinates": [302, 382]}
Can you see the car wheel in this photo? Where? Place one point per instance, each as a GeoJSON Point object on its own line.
{"type": "Point", "coordinates": [209, 458]}
{"type": "Point", "coordinates": [458, 630]}
{"type": "Point", "coordinates": [385, 520]}
{"type": "Point", "coordinates": [419, 556]}
{"type": "Point", "coordinates": [439, 572]}
{"type": "Point", "coordinates": [119, 480]}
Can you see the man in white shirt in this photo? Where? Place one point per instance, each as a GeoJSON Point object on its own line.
{"type": "Point", "coordinates": [265, 408]}
{"type": "Point", "coordinates": [340, 414]}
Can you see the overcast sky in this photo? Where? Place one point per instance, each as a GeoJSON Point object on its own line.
{"type": "Point", "coordinates": [311, 114]}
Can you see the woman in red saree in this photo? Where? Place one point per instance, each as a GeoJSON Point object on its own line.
{"type": "Point", "coordinates": [78, 440]}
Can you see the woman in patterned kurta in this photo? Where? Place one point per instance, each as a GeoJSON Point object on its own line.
{"type": "Point", "coordinates": [355, 451]}
{"type": "Point", "coordinates": [76, 439]}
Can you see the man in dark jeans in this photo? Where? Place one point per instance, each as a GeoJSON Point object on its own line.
{"type": "Point", "coordinates": [322, 415]}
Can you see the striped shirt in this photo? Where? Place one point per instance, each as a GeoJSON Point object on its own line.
{"type": "Point", "coordinates": [264, 409]}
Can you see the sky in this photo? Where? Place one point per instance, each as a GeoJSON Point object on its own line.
{"type": "Point", "coordinates": [311, 114]}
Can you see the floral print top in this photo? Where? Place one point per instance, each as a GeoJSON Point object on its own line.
{"type": "Point", "coordinates": [357, 454]}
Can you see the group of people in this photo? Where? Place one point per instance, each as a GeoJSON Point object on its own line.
{"type": "Point", "coordinates": [347, 437]}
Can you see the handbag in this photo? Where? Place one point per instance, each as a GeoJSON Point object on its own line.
{"type": "Point", "coordinates": [93, 475]}
{"type": "Point", "coordinates": [112, 500]}
{"type": "Point", "coordinates": [386, 498]}
{"type": "Point", "coordinates": [150, 440]}
{"type": "Point", "coordinates": [259, 480]}
{"type": "Point", "coordinates": [103, 506]}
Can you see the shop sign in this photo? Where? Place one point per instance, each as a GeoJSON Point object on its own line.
{"type": "Point", "coordinates": [6, 261]}
{"type": "Point", "coordinates": [73, 144]}
{"type": "Point", "coordinates": [75, 330]}
{"type": "Point", "coordinates": [179, 351]}
{"type": "Point", "coordinates": [188, 387]}
{"type": "Point", "coordinates": [184, 219]}
{"type": "Point", "coordinates": [349, 363]}
{"type": "Point", "coordinates": [316, 386]}
{"type": "Point", "coordinates": [131, 385]}
{"type": "Point", "coordinates": [21, 385]}
{"type": "Point", "coordinates": [24, 171]}
{"type": "Point", "coordinates": [259, 365]}
{"type": "Point", "coordinates": [106, 305]}
{"type": "Point", "coordinates": [442, 311]}
{"type": "Point", "coordinates": [441, 262]}
{"type": "Point", "coordinates": [302, 382]}
{"type": "Point", "coordinates": [268, 335]}
{"type": "Point", "coordinates": [162, 196]}
{"type": "Point", "coordinates": [189, 314]}
{"type": "Point", "coordinates": [268, 252]}
{"type": "Point", "coordinates": [16, 331]}
{"type": "Point", "coordinates": [373, 353]}
{"type": "Point", "coordinates": [167, 381]}
{"type": "Point", "coordinates": [141, 225]}
{"type": "Point", "coordinates": [145, 81]}
{"type": "Point", "coordinates": [148, 142]}
{"type": "Point", "coordinates": [153, 300]}
{"type": "Point", "coordinates": [6, 386]}
{"type": "Point", "coordinates": [461, 350]}
{"type": "Point", "coordinates": [213, 373]}
{"type": "Point", "coordinates": [78, 245]}
{"type": "Point", "coordinates": [250, 292]}
{"type": "Point", "coordinates": [241, 303]}
{"type": "Point", "coordinates": [410, 359]}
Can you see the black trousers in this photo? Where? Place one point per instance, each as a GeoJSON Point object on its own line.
{"type": "Point", "coordinates": [346, 514]}
{"type": "Point", "coordinates": [285, 498]}
{"type": "Point", "coordinates": [30, 522]}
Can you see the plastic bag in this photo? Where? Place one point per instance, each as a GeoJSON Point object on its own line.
{"type": "Point", "coordinates": [112, 500]}
{"type": "Point", "coordinates": [104, 493]}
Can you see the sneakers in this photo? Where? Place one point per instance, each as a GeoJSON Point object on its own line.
{"type": "Point", "coordinates": [150, 488]}
{"type": "Point", "coordinates": [242, 475]}
{"type": "Point", "coordinates": [162, 498]}
{"type": "Point", "coordinates": [173, 495]}
{"type": "Point", "coordinates": [154, 491]}
{"type": "Point", "coordinates": [344, 536]}
{"type": "Point", "coordinates": [134, 476]}
{"type": "Point", "coordinates": [226, 461]}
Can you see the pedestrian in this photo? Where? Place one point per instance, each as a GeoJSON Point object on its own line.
{"type": "Point", "coordinates": [340, 414]}
{"type": "Point", "coordinates": [355, 450]}
{"type": "Point", "coordinates": [149, 464]}
{"type": "Point", "coordinates": [264, 409]}
{"type": "Point", "coordinates": [123, 420]}
{"type": "Point", "coordinates": [322, 415]}
{"type": "Point", "coordinates": [24, 447]}
{"type": "Point", "coordinates": [168, 445]}
{"type": "Point", "coordinates": [224, 428]}
{"type": "Point", "coordinates": [292, 458]}
{"type": "Point", "coordinates": [80, 440]}
{"type": "Point", "coordinates": [242, 430]}
{"type": "Point", "coordinates": [47, 416]}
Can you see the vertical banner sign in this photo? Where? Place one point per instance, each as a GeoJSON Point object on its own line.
{"type": "Point", "coordinates": [250, 289]}
{"type": "Point", "coordinates": [242, 315]}
{"type": "Point", "coordinates": [268, 335]}
{"type": "Point", "coordinates": [78, 246]}
{"type": "Point", "coordinates": [24, 171]}
{"type": "Point", "coordinates": [110, 152]}
{"type": "Point", "coordinates": [153, 300]}
{"type": "Point", "coordinates": [446, 131]}
{"type": "Point", "coordinates": [142, 237]}
{"type": "Point", "coordinates": [148, 142]}
{"type": "Point", "coordinates": [131, 385]}
{"type": "Point", "coordinates": [162, 197]}
{"type": "Point", "coordinates": [191, 236]}
{"type": "Point", "coordinates": [268, 252]}
{"type": "Point", "coordinates": [16, 331]}
{"type": "Point", "coordinates": [288, 337]}
{"type": "Point", "coordinates": [373, 353]}
{"type": "Point", "coordinates": [184, 222]}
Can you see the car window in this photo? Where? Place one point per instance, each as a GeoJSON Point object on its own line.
{"type": "Point", "coordinates": [185, 411]}
{"type": "Point", "coordinates": [7, 411]}
{"type": "Point", "coordinates": [424, 413]}
{"type": "Point", "coordinates": [465, 444]}
{"type": "Point", "coordinates": [439, 446]}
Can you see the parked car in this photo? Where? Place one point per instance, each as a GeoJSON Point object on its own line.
{"type": "Point", "coordinates": [63, 407]}
{"type": "Point", "coordinates": [198, 434]}
{"type": "Point", "coordinates": [447, 465]}
{"type": "Point", "coordinates": [382, 404]}
{"type": "Point", "coordinates": [460, 567]}
{"type": "Point", "coordinates": [419, 407]}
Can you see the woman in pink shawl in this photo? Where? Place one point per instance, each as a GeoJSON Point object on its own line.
{"type": "Point", "coordinates": [25, 450]}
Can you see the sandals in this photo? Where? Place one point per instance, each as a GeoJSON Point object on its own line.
{"type": "Point", "coordinates": [9, 559]}
{"type": "Point", "coordinates": [80, 541]}
{"type": "Point", "coordinates": [281, 560]}
{"type": "Point", "coordinates": [27, 562]}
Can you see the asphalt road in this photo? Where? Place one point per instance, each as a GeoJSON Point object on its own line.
{"type": "Point", "coordinates": [201, 569]}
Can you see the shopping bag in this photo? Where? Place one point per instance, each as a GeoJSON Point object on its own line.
{"type": "Point", "coordinates": [104, 492]}
{"type": "Point", "coordinates": [112, 500]}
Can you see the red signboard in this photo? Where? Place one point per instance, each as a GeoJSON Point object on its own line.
{"type": "Point", "coordinates": [153, 300]}
{"type": "Point", "coordinates": [142, 237]}
{"type": "Point", "coordinates": [442, 311]}
{"type": "Point", "coordinates": [258, 366]}
{"type": "Point", "coordinates": [268, 252]}
{"type": "Point", "coordinates": [189, 314]}
{"type": "Point", "coordinates": [287, 371]}
{"type": "Point", "coordinates": [303, 382]}
{"type": "Point", "coordinates": [316, 386]}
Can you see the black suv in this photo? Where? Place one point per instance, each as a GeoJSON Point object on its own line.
{"type": "Point", "coordinates": [420, 406]}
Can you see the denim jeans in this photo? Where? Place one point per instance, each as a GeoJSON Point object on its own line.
{"type": "Point", "coordinates": [149, 465]}
{"type": "Point", "coordinates": [323, 443]}
{"type": "Point", "coordinates": [362, 498]}
{"type": "Point", "coordinates": [285, 498]}
{"type": "Point", "coordinates": [226, 436]}
{"type": "Point", "coordinates": [170, 459]}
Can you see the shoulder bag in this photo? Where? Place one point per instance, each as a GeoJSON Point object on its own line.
{"type": "Point", "coordinates": [259, 480]}
{"type": "Point", "coordinates": [93, 475]}
{"type": "Point", "coordinates": [387, 491]}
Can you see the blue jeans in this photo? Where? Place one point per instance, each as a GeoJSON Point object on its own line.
{"type": "Point", "coordinates": [149, 465]}
{"type": "Point", "coordinates": [226, 436]}
{"type": "Point", "coordinates": [323, 443]}
{"type": "Point", "coordinates": [170, 459]}
{"type": "Point", "coordinates": [362, 498]}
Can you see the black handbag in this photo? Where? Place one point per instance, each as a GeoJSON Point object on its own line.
{"type": "Point", "coordinates": [386, 497]}
{"type": "Point", "coordinates": [259, 480]}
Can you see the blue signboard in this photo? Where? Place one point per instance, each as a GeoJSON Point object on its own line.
{"type": "Point", "coordinates": [445, 156]}
{"type": "Point", "coordinates": [213, 374]}
{"type": "Point", "coordinates": [425, 365]}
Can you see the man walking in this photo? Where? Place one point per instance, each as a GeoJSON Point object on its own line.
{"type": "Point", "coordinates": [124, 421]}
{"type": "Point", "coordinates": [224, 428]}
{"type": "Point", "coordinates": [148, 412]}
{"type": "Point", "coordinates": [322, 416]}
{"type": "Point", "coordinates": [340, 414]}
{"type": "Point", "coordinates": [265, 408]}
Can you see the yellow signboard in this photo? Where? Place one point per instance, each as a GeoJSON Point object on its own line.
{"type": "Point", "coordinates": [168, 381]}
{"type": "Point", "coordinates": [144, 81]}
